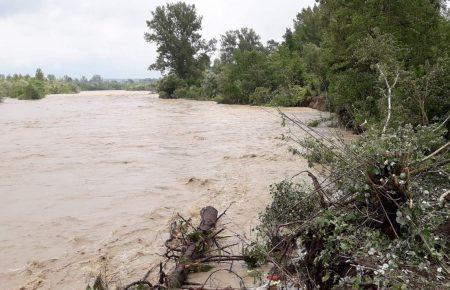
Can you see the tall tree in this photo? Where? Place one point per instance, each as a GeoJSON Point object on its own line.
{"type": "Point", "coordinates": [307, 26]}
{"type": "Point", "coordinates": [39, 75]}
{"type": "Point", "coordinates": [175, 29]}
{"type": "Point", "coordinates": [245, 39]}
{"type": "Point", "coordinates": [415, 25]}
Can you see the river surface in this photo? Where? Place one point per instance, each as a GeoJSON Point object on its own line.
{"type": "Point", "coordinates": [89, 182]}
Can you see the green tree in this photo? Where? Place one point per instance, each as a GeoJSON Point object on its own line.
{"type": "Point", "coordinates": [271, 46]}
{"type": "Point", "coordinates": [39, 75]}
{"type": "Point", "coordinates": [383, 54]}
{"type": "Point", "coordinates": [249, 70]}
{"type": "Point", "coordinates": [244, 39]}
{"type": "Point", "coordinates": [416, 26]}
{"type": "Point", "coordinates": [307, 27]}
{"type": "Point", "coordinates": [209, 84]}
{"type": "Point", "coordinates": [288, 67]}
{"type": "Point", "coordinates": [175, 29]}
{"type": "Point", "coordinates": [169, 84]}
{"type": "Point", "coordinates": [34, 90]}
{"type": "Point", "coordinates": [298, 60]}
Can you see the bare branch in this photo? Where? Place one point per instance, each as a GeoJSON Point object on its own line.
{"type": "Point", "coordinates": [436, 152]}
{"type": "Point", "coordinates": [389, 89]}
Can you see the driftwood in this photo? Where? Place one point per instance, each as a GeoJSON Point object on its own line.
{"type": "Point", "coordinates": [195, 249]}
{"type": "Point", "coordinates": [192, 249]}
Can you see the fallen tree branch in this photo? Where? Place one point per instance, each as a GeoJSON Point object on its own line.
{"type": "Point", "coordinates": [195, 249]}
{"type": "Point", "coordinates": [436, 152]}
{"type": "Point", "coordinates": [227, 270]}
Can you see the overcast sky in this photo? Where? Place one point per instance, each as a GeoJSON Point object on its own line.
{"type": "Point", "coordinates": [87, 37]}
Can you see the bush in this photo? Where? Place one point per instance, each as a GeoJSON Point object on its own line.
{"type": "Point", "coordinates": [28, 88]}
{"type": "Point", "coordinates": [33, 91]}
{"type": "Point", "coordinates": [209, 85]}
{"type": "Point", "coordinates": [290, 201]}
{"type": "Point", "coordinates": [260, 96]}
{"type": "Point", "coordinates": [5, 88]}
{"type": "Point", "coordinates": [238, 80]}
{"type": "Point", "coordinates": [18, 88]}
{"type": "Point", "coordinates": [282, 98]}
{"type": "Point", "coordinates": [193, 93]}
{"type": "Point", "coordinates": [58, 87]}
{"type": "Point", "coordinates": [353, 92]}
{"type": "Point", "coordinates": [384, 224]}
{"type": "Point", "coordinates": [291, 97]}
{"type": "Point", "coordinates": [168, 85]}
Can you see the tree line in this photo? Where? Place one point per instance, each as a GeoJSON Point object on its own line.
{"type": "Point", "coordinates": [359, 59]}
{"type": "Point", "coordinates": [28, 87]}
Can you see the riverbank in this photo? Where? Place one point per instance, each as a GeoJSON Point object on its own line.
{"type": "Point", "coordinates": [91, 181]}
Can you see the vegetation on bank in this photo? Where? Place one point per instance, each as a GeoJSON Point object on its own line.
{"type": "Point", "coordinates": [33, 88]}
{"type": "Point", "coordinates": [338, 56]}
{"type": "Point", "coordinates": [36, 87]}
{"type": "Point", "coordinates": [375, 217]}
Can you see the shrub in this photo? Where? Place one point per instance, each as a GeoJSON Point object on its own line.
{"type": "Point", "coordinates": [28, 88]}
{"type": "Point", "coordinates": [5, 87]}
{"type": "Point", "coordinates": [238, 80]}
{"type": "Point", "coordinates": [384, 224]}
{"type": "Point", "coordinates": [291, 97]}
{"type": "Point", "coordinates": [302, 95]}
{"type": "Point", "coordinates": [290, 201]}
{"type": "Point", "coordinates": [58, 87]}
{"type": "Point", "coordinates": [18, 88]}
{"type": "Point", "coordinates": [33, 91]}
{"type": "Point", "coordinates": [192, 92]}
{"type": "Point", "coordinates": [260, 96]}
{"type": "Point", "coordinates": [209, 84]}
{"type": "Point", "coordinates": [168, 85]}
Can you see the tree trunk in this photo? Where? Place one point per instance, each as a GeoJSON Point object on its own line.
{"type": "Point", "coordinates": [194, 250]}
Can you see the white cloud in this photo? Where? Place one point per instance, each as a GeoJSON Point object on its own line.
{"type": "Point", "coordinates": [87, 37]}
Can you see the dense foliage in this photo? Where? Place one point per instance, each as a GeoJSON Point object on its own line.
{"type": "Point", "coordinates": [412, 37]}
{"type": "Point", "coordinates": [335, 57]}
{"type": "Point", "coordinates": [378, 219]}
{"type": "Point", "coordinates": [33, 88]}
{"type": "Point", "coordinates": [37, 87]}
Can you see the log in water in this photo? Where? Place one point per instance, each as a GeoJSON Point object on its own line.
{"type": "Point", "coordinates": [89, 182]}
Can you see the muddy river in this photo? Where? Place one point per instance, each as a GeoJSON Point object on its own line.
{"type": "Point", "coordinates": [90, 182]}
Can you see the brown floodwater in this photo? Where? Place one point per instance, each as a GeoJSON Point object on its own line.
{"type": "Point", "coordinates": [89, 182]}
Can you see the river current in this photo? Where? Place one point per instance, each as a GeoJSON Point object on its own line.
{"type": "Point", "coordinates": [89, 182]}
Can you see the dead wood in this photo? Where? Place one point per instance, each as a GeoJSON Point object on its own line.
{"type": "Point", "coordinates": [195, 248]}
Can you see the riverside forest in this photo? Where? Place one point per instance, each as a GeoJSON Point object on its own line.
{"type": "Point", "coordinates": [319, 160]}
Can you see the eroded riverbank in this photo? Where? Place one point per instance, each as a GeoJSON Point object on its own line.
{"type": "Point", "coordinates": [90, 181]}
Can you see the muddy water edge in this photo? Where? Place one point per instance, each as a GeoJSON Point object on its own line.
{"type": "Point", "coordinates": [89, 182]}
